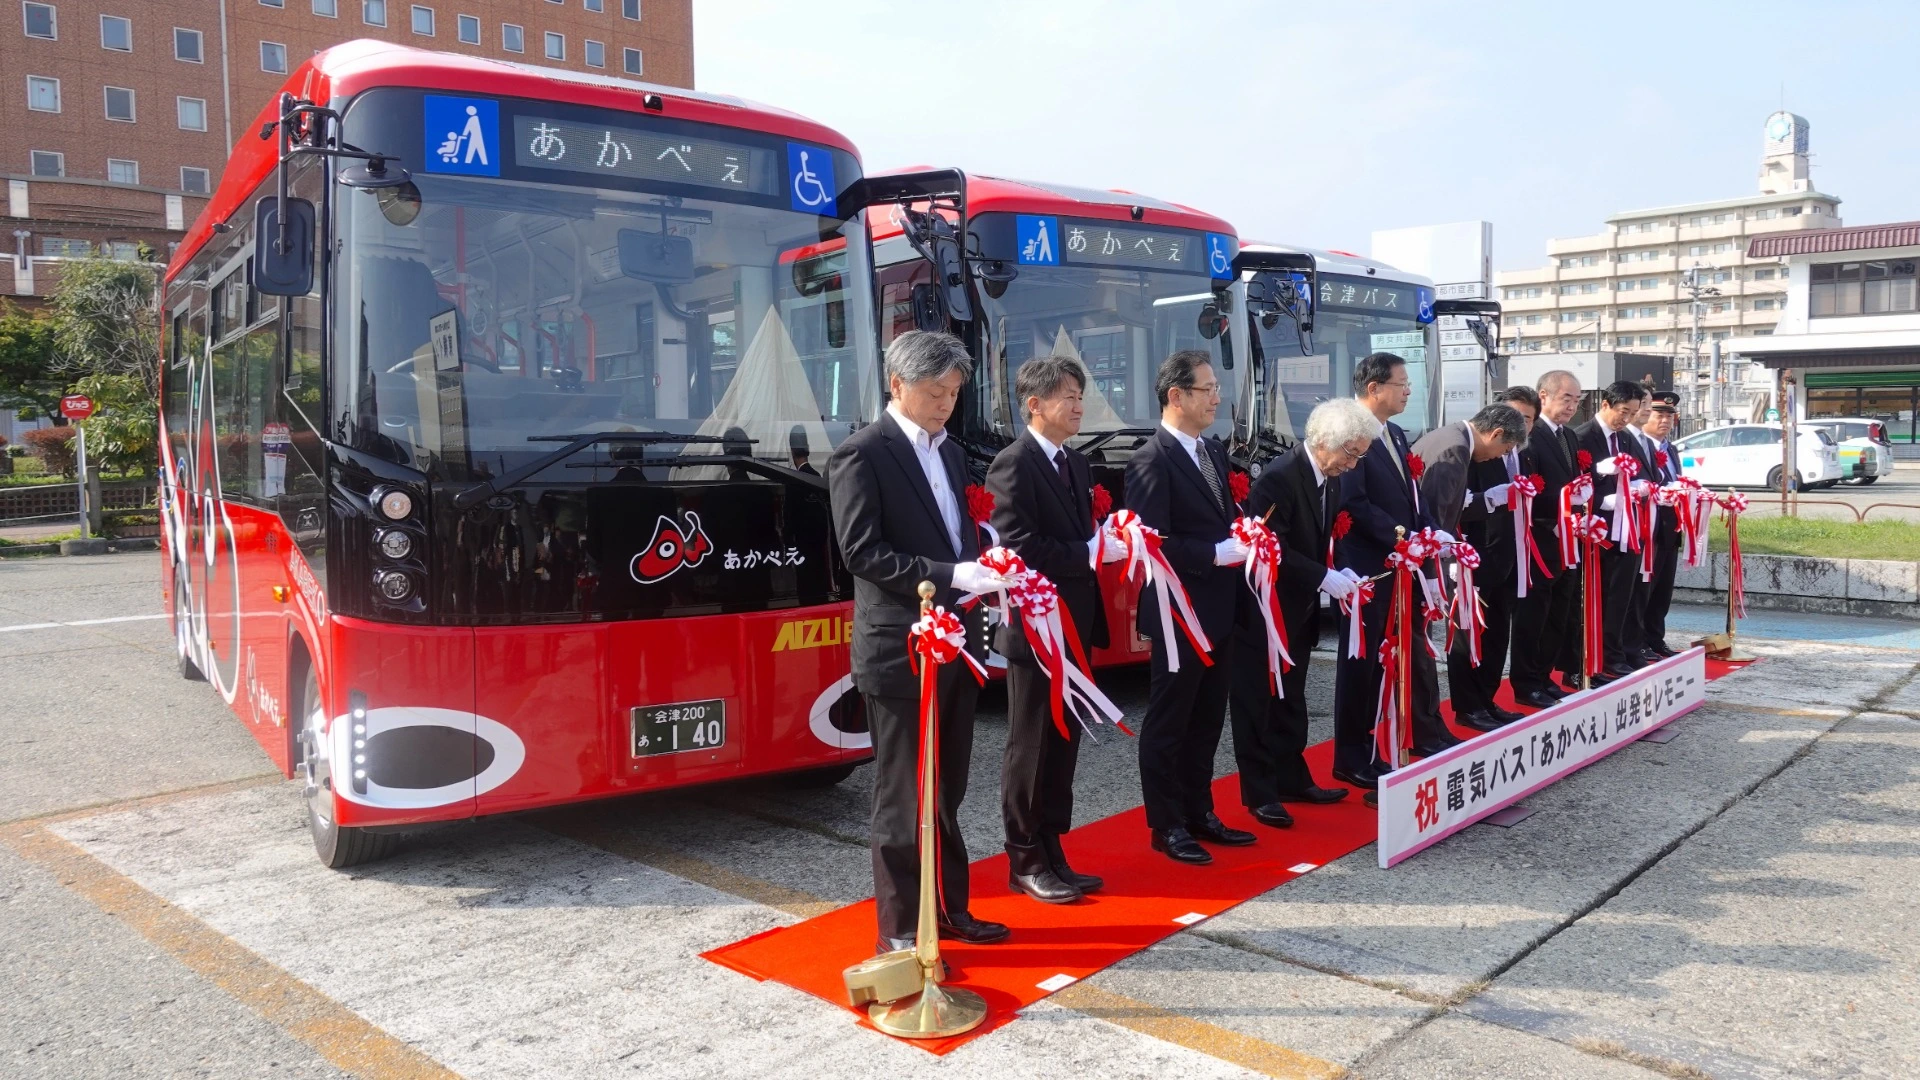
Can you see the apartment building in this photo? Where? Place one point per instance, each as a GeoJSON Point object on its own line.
{"type": "Point", "coordinates": [1627, 286]}
{"type": "Point", "coordinates": [116, 115]}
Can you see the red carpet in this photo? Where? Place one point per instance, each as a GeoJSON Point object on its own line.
{"type": "Point", "coordinates": [1146, 898]}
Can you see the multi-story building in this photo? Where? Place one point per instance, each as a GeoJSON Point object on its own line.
{"type": "Point", "coordinates": [1672, 280]}
{"type": "Point", "coordinates": [116, 115]}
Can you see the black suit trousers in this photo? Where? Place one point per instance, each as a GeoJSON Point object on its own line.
{"type": "Point", "coordinates": [1270, 733]}
{"type": "Point", "coordinates": [1472, 687]}
{"type": "Point", "coordinates": [895, 833]}
{"type": "Point", "coordinates": [1659, 591]}
{"type": "Point", "coordinates": [1036, 773]}
{"type": "Point", "coordinates": [1545, 621]}
{"type": "Point", "coordinates": [1620, 580]}
{"type": "Point", "coordinates": [1181, 732]}
{"type": "Point", "coordinates": [1356, 686]}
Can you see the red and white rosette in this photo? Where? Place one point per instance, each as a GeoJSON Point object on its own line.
{"type": "Point", "coordinates": [1143, 559]}
{"type": "Point", "coordinates": [1626, 524]}
{"type": "Point", "coordinates": [980, 509]}
{"type": "Point", "coordinates": [1735, 504]}
{"type": "Point", "coordinates": [1049, 630]}
{"type": "Point", "coordinates": [1521, 492]}
{"type": "Point", "coordinates": [1342, 525]}
{"type": "Point", "coordinates": [1262, 571]}
{"type": "Point", "coordinates": [1578, 492]}
{"type": "Point", "coordinates": [1466, 615]}
{"type": "Point", "coordinates": [1678, 497]}
{"type": "Point", "coordinates": [938, 637]}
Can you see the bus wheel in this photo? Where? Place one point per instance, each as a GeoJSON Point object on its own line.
{"type": "Point", "coordinates": [183, 634]}
{"type": "Point", "coordinates": [820, 778]}
{"type": "Point", "coordinates": [338, 846]}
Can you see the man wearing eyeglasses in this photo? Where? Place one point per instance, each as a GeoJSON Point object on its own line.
{"type": "Point", "coordinates": [1177, 483]}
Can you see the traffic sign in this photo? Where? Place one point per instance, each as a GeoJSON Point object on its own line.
{"type": "Point", "coordinates": [76, 406]}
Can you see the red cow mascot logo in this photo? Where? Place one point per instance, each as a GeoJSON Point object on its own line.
{"type": "Point", "coordinates": [671, 548]}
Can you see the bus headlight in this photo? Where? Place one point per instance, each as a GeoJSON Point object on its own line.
{"type": "Point", "coordinates": [395, 544]}
{"type": "Point", "coordinates": [395, 585]}
{"type": "Point", "coordinates": [394, 504]}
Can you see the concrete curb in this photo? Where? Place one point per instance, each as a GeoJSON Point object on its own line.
{"type": "Point", "coordinates": [139, 543]}
{"type": "Point", "coordinates": [1878, 587]}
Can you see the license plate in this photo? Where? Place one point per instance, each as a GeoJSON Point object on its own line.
{"type": "Point", "coordinates": [679, 728]}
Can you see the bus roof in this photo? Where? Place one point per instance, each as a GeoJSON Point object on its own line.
{"type": "Point", "coordinates": [364, 64]}
{"type": "Point", "coordinates": [1339, 262]}
{"type": "Point", "coordinates": [994, 194]}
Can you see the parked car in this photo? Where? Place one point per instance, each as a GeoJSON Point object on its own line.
{"type": "Point", "coordinates": [1748, 455]}
{"type": "Point", "coordinates": [1866, 454]}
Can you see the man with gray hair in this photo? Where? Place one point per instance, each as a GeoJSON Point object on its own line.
{"type": "Point", "coordinates": [1294, 496]}
{"type": "Point", "coordinates": [896, 488]}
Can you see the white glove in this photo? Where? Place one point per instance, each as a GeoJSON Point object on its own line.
{"type": "Point", "coordinates": [1606, 503]}
{"type": "Point", "coordinates": [1444, 536]}
{"type": "Point", "coordinates": [1336, 585]}
{"type": "Point", "coordinates": [1105, 547]}
{"type": "Point", "coordinates": [1641, 488]}
{"type": "Point", "coordinates": [1466, 499]}
{"type": "Point", "coordinates": [1605, 467]}
{"type": "Point", "coordinates": [1582, 500]}
{"type": "Point", "coordinates": [971, 577]}
{"type": "Point", "coordinates": [1497, 496]}
{"type": "Point", "coordinates": [1229, 552]}
{"type": "Point", "coordinates": [1351, 576]}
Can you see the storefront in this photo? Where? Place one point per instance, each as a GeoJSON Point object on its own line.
{"type": "Point", "coordinates": [1891, 397]}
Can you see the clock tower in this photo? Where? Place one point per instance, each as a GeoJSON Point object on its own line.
{"type": "Point", "coordinates": [1783, 162]}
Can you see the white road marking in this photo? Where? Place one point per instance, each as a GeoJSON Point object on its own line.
{"type": "Point", "coordinates": [80, 622]}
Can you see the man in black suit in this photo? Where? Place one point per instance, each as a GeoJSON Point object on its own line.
{"type": "Point", "coordinates": [1295, 495]}
{"type": "Point", "coordinates": [1177, 483]}
{"type": "Point", "coordinates": [1657, 596]}
{"type": "Point", "coordinates": [1379, 494]}
{"type": "Point", "coordinates": [1470, 469]}
{"type": "Point", "coordinates": [1550, 612]}
{"type": "Point", "coordinates": [897, 494]}
{"type": "Point", "coordinates": [1043, 510]}
{"type": "Point", "coordinates": [1606, 436]}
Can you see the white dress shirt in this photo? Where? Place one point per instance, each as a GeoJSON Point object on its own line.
{"type": "Point", "coordinates": [1046, 446]}
{"type": "Point", "coordinates": [1190, 442]}
{"type": "Point", "coordinates": [927, 448]}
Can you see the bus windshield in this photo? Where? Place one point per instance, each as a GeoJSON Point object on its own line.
{"type": "Point", "coordinates": [482, 315]}
{"type": "Point", "coordinates": [1121, 323]}
{"type": "Point", "coordinates": [1352, 318]}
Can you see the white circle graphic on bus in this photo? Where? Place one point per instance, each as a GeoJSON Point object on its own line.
{"type": "Point", "coordinates": [419, 756]}
{"type": "Point", "coordinates": [820, 718]}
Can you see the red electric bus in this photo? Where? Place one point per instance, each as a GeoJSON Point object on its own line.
{"type": "Point", "coordinates": [1115, 279]}
{"type": "Point", "coordinates": [488, 401]}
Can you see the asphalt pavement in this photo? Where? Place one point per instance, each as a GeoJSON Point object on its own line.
{"type": "Point", "coordinates": [1735, 902]}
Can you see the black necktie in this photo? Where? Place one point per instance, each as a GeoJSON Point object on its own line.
{"type": "Point", "coordinates": [1613, 443]}
{"type": "Point", "coordinates": [1060, 465]}
{"type": "Point", "coordinates": [1207, 470]}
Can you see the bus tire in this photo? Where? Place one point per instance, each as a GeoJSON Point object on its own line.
{"type": "Point", "coordinates": [820, 778]}
{"type": "Point", "coordinates": [338, 846]}
{"type": "Point", "coordinates": [182, 635]}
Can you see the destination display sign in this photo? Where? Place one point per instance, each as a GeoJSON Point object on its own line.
{"type": "Point", "coordinates": [1104, 244]}
{"type": "Point", "coordinates": [597, 149]}
{"type": "Point", "coordinates": [1357, 294]}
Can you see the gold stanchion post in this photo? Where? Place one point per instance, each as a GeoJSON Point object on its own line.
{"type": "Point", "coordinates": [1404, 663]}
{"type": "Point", "coordinates": [1725, 645]}
{"type": "Point", "coordinates": [902, 989]}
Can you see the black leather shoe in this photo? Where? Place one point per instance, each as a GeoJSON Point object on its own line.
{"type": "Point", "coordinates": [1557, 692]}
{"type": "Point", "coordinates": [1505, 716]}
{"type": "Point", "coordinates": [961, 926]}
{"type": "Point", "coordinates": [1056, 855]}
{"type": "Point", "coordinates": [1372, 799]}
{"type": "Point", "coordinates": [1617, 672]}
{"type": "Point", "coordinates": [1179, 846]}
{"type": "Point", "coordinates": [1536, 699]}
{"type": "Point", "coordinates": [1366, 779]}
{"type": "Point", "coordinates": [1647, 657]}
{"type": "Point", "coordinates": [1661, 650]}
{"type": "Point", "coordinates": [1444, 741]}
{"type": "Point", "coordinates": [1315, 795]}
{"type": "Point", "coordinates": [1273, 815]}
{"type": "Point", "coordinates": [1044, 886]}
{"type": "Point", "coordinates": [1478, 720]}
{"type": "Point", "coordinates": [1213, 830]}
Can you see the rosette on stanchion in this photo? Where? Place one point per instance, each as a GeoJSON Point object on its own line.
{"type": "Point", "coordinates": [1724, 645]}
{"type": "Point", "coordinates": [1048, 627]}
{"type": "Point", "coordinates": [1393, 718]}
{"type": "Point", "coordinates": [1261, 571]}
{"type": "Point", "coordinates": [1143, 558]}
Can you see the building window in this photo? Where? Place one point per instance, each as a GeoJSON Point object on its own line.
{"type": "Point", "coordinates": [49, 163]}
{"type": "Point", "coordinates": [373, 12]}
{"type": "Point", "coordinates": [43, 94]}
{"type": "Point", "coordinates": [1623, 286]}
{"type": "Point", "coordinates": [1862, 288]}
{"type": "Point", "coordinates": [630, 9]}
{"type": "Point", "coordinates": [1566, 290]}
{"type": "Point", "coordinates": [1790, 211]}
{"type": "Point", "coordinates": [1766, 274]}
{"type": "Point", "coordinates": [42, 22]}
{"type": "Point", "coordinates": [632, 62]}
{"type": "Point", "coordinates": [1816, 208]}
{"type": "Point", "coordinates": [556, 46]}
{"type": "Point", "coordinates": [121, 171]}
{"type": "Point", "coordinates": [1649, 339]}
{"type": "Point", "coordinates": [1533, 320]}
{"type": "Point", "coordinates": [595, 5]}
{"type": "Point", "coordinates": [194, 181]}
{"type": "Point", "coordinates": [187, 46]}
{"type": "Point", "coordinates": [62, 247]}
{"type": "Point", "coordinates": [1764, 332]}
{"type": "Point", "coordinates": [596, 54]}
{"type": "Point", "coordinates": [120, 104]}
{"type": "Point", "coordinates": [1649, 282]}
{"type": "Point", "coordinates": [273, 57]}
{"type": "Point", "coordinates": [1590, 287]}
{"type": "Point", "coordinates": [1566, 316]}
{"type": "Point", "coordinates": [327, 9]}
{"type": "Point", "coordinates": [468, 27]}
{"type": "Point", "coordinates": [1762, 215]}
{"type": "Point", "coordinates": [423, 20]}
{"type": "Point", "coordinates": [1763, 305]}
{"type": "Point", "coordinates": [193, 113]}
{"type": "Point", "coordinates": [116, 33]}
{"type": "Point", "coordinates": [512, 38]}
{"type": "Point", "coordinates": [273, 3]}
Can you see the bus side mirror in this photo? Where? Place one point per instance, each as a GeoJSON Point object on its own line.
{"type": "Point", "coordinates": [656, 257]}
{"type": "Point", "coordinates": [952, 278]}
{"type": "Point", "coordinates": [277, 272]}
{"type": "Point", "coordinates": [929, 313]}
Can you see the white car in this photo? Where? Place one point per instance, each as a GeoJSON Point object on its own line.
{"type": "Point", "coordinates": [1748, 455]}
{"type": "Point", "coordinates": [1866, 454]}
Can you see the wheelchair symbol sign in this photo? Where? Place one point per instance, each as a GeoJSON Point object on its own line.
{"type": "Point", "coordinates": [810, 186]}
{"type": "Point", "coordinates": [1220, 249]}
{"type": "Point", "coordinates": [1425, 314]}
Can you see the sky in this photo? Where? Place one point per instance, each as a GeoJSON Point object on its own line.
{"type": "Point", "coordinates": [1316, 124]}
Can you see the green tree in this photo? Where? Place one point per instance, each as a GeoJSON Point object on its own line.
{"type": "Point", "coordinates": [28, 381]}
{"type": "Point", "coordinates": [105, 323]}
{"type": "Point", "coordinates": [123, 431]}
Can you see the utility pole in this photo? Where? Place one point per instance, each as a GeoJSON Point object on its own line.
{"type": "Point", "coordinates": [1696, 291]}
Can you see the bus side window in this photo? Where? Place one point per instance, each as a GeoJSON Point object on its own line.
{"type": "Point", "coordinates": [896, 296]}
{"type": "Point", "coordinates": [301, 498]}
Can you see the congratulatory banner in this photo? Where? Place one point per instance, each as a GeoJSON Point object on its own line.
{"type": "Point", "coordinates": [1435, 797]}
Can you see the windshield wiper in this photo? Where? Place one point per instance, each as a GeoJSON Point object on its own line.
{"type": "Point", "coordinates": [1102, 438]}
{"type": "Point", "coordinates": [576, 443]}
{"type": "Point", "coordinates": [746, 462]}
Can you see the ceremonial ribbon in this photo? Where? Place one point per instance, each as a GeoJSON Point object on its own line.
{"type": "Point", "coordinates": [1626, 526]}
{"type": "Point", "coordinates": [1351, 605]}
{"type": "Point", "coordinates": [1143, 557]}
{"type": "Point", "coordinates": [1702, 510]}
{"type": "Point", "coordinates": [1646, 519]}
{"type": "Point", "coordinates": [1735, 504]}
{"type": "Point", "coordinates": [934, 639]}
{"type": "Point", "coordinates": [1466, 614]}
{"type": "Point", "coordinates": [1388, 732]}
{"type": "Point", "coordinates": [1579, 491]}
{"type": "Point", "coordinates": [1404, 561]}
{"type": "Point", "coordinates": [1342, 525]}
{"type": "Point", "coordinates": [1520, 495]}
{"type": "Point", "coordinates": [1678, 497]}
{"type": "Point", "coordinates": [1262, 571]}
{"type": "Point", "coordinates": [1592, 532]}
